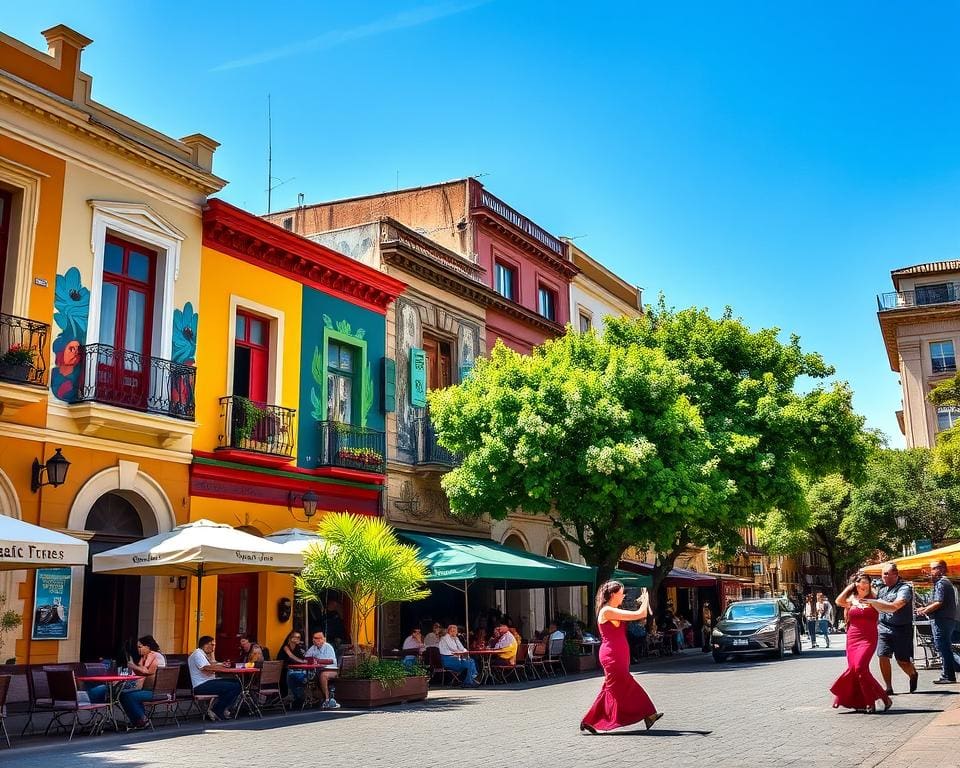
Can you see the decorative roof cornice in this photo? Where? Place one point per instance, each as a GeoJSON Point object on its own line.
{"type": "Point", "coordinates": [67, 117]}
{"type": "Point", "coordinates": [249, 238]}
{"type": "Point", "coordinates": [437, 273]}
{"type": "Point", "coordinates": [488, 218]}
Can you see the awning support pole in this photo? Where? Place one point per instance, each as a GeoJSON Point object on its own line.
{"type": "Point", "coordinates": [199, 594]}
{"type": "Point", "coordinates": [466, 610]}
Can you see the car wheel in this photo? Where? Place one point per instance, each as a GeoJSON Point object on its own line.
{"type": "Point", "coordinates": [719, 657]}
{"type": "Point", "coordinates": [778, 651]}
{"type": "Point", "coordinates": [796, 644]}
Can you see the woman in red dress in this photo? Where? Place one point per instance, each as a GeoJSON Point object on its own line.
{"type": "Point", "coordinates": [856, 688]}
{"type": "Point", "coordinates": [621, 701]}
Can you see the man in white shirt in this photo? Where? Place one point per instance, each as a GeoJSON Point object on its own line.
{"type": "Point", "coordinates": [824, 617]}
{"type": "Point", "coordinates": [433, 636]}
{"type": "Point", "coordinates": [454, 657]}
{"type": "Point", "coordinates": [321, 649]}
{"type": "Point", "coordinates": [506, 643]}
{"type": "Point", "coordinates": [203, 669]}
{"type": "Point", "coordinates": [412, 647]}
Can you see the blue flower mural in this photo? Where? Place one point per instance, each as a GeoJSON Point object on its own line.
{"type": "Point", "coordinates": [71, 304]}
{"type": "Point", "coordinates": [185, 322]}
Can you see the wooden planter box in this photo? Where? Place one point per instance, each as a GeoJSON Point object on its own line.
{"type": "Point", "coordinates": [371, 693]}
{"type": "Point", "coordinates": [580, 663]}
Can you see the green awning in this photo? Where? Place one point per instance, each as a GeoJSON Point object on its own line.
{"type": "Point", "coordinates": [632, 579]}
{"type": "Point", "coordinates": [458, 558]}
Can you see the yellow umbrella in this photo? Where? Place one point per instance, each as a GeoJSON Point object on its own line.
{"type": "Point", "coordinates": [912, 566]}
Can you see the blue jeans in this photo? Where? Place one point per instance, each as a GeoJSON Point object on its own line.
{"type": "Point", "coordinates": [226, 691]}
{"type": "Point", "coordinates": [823, 626]}
{"type": "Point", "coordinates": [942, 633]}
{"type": "Point", "coordinates": [132, 703]}
{"type": "Point", "coordinates": [812, 630]}
{"type": "Point", "coordinates": [409, 661]}
{"type": "Point", "coordinates": [297, 684]}
{"type": "Point", "coordinates": [458, 665]}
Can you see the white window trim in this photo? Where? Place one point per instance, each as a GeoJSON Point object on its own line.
{"type": "Point", "coordinates": [953, 351]}
{"type": "Point", "coordinates": [137, 222]}
{"type": "Point", "coordinates": [948, 409]}
{"type": "Point", "coordinates": [275, 372]}
{"type": "Point", "coordinates": [27, 182]}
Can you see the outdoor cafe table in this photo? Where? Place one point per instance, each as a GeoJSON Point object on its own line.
{"type": "Point", "coordinates": [486, 658]}
{"type": "Point", "coordinates": [310, 690]}
{"type": "Point", "coordinates": [245, 676]}
{"type": "Point", "coordinates": [114, 685]}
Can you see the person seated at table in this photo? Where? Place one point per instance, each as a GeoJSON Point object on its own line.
{"type": "Point", "coordinates": [433, 636]}
{"type": "Point", "coordinates": [504, 642]}
{"type": "Point", "coordinates": [454, 657]}
{"type": "Point", "coordinates": [508, 623]}
{"type": "Point", "coordinates": [250, 650]}
{"type": "Point", "coordinates": [292, 653]}
{"type": "Point", "coordinates": [412, 647]}
{"type": "Point", "coordinates": [149, 660]}
{"type": "Point", "coordinates": [322, 650]}
{"type": "Point", "coordinates": [203, 667]}
{"type": "Point", "coordinates": [478, 639]}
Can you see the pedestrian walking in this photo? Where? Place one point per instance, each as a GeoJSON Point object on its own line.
{"type": "Point", "coordinates": [810, 619]}
{"type": "Point", "coordinates": [856, 688]}
{"type": "Point", "coordinates": [895, 603]}
{"type": "Point", "coordinates": [706, 626]}
{"type": "Point", "coordinates": [622, 700]}
{"type": "Point", "coordinates": [824, 617]}
{"type": "Point", "coordinates": [942, 609]}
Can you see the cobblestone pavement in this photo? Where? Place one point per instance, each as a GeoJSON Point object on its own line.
{"type": "Point", "coordinates": [752, 712]}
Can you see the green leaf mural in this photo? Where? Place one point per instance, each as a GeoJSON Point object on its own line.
{"type": "Point", "coordinates": [319, 371]}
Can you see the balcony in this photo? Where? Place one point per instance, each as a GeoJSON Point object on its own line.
{"type": "Point", "coordinates": [743, 571]}
{"type": "Point", "coordinates": [351, 447]}
{"type": "Point", "coordinates": [428, 450]}
{"type": "Point", "coordinates": [247, 426]}
{"type": "Point", "coordinates": [944, 293]}
{"type": "Point", "coordinates": [23, 345]}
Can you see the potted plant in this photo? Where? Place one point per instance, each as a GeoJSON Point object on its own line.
{"type": "Point", "coordinates": [362, 558]}
{"type": "Point", "coordinates": [9, 621]}
{"type": "Point", "coordinates": [16, 362]}
{"type": "Point", "coordinates": [246, 417]}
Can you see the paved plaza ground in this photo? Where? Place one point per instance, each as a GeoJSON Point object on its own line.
{"type": "Point", "coordinates": [744, 713]}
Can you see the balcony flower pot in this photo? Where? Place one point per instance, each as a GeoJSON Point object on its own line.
{"type": "Point", "coordinates": [366, 693]}
{"type": "Point", "coordinates": [18, 372]}
{"type": "Point", "coordinates": [17, 362]}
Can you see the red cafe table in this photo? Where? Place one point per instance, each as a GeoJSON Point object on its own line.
{"type": "Point", "coordinates": [245, 676]}
{"type": "Point", "coordinates": [311, 687]}
{"type": "Point", "coordinates": [114, 685]}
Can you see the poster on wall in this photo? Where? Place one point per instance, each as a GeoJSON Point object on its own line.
{"type": "Point", "coordinates": [51, 600]}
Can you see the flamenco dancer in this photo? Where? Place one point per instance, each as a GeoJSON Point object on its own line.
{"type": "Point", "coordinates": [621, 701]}
{"type": "Point", "coordinates": [857, 688]}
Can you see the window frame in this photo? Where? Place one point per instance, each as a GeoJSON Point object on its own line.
{"type": "Point", "coordinates": [358, 415]}
{"type": "Point", "coordinates": [548, 290]}
{"type": "Point", "coordinates": [277, 325]}
{"type": "Point", "coordinates": [953, 415]}
{"type": "Point", "coordinates": [953, 356]}
{"type": "Point", "coordinates": [23, 183]}
{"type": "Point", "coordinates": [500, 260]}
{"type": "Point", "coordinates": [265, 348]}
{"type": "Point", "coordinates": [584, 314]}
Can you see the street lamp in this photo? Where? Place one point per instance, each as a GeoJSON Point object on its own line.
{"type": "Point", "coordinates": [55, 469]}
{"type": "Point", "coordinates": [308, 500]}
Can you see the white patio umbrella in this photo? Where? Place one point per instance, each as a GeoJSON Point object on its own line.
{"type": "Point", "coordinates": [27, 546]}
{"type": "Point", "coordinates": [198, 549]}
{"type": "Point", "coordinates": [297, 540]}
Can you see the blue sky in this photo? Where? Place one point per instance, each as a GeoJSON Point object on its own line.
{"type": "Point", "coordinates": [777, 158]}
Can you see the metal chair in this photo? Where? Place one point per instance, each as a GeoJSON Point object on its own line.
{"type": "Point", "coordinates": [537, 659]}
{"type": "Point", "coordinates": [269, 694]}
{"type": "Point", "coordinates": [931, 656]}
{"type": "Point", "coordinates": [4, 688]}
{"type": "Point", "coordinates": [518, 664]}
{"type": "Point", "coordinates": [38, 693]}
{"type": "Point", "coordinates": [63, 691]}
{"type": "Point", "coordinates": [164, 694]}
{"type": "Point", "coordinates": [436, 667]}
{"type": "Point", "coordinates": [555, 655]}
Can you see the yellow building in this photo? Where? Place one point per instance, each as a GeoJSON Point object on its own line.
{"type": "Point", "coordinates": [100, 236]}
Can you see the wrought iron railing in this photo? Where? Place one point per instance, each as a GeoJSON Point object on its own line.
{"type": "Point", "coordinates": [744, 571]}
{"type": "Point", "coordinates": [351, 447]}
{"type": "Point", "coordinates": [943, 293]}
{"type": "Point", "coordinates": [429, 451]}
{"type": "Point", "coordinates": [249, 426]}
{"type": "Point", "coordinates": [522, 223]}
{"type": "Point", "coordinates": [23, 345]}
{"type": "Point", "coordinates": [131, 380]}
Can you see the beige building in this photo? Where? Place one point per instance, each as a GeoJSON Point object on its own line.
{"type": "Point", "coordinates": [920, 323]}
{"type": "Point", "coordinates": [596, 293]}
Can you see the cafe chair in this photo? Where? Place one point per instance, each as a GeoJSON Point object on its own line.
{"type": "Point", "coordinates": [436, 667]}
{"type": "Point", "coordinates": [63, 691]}
{"type": "Point", "coordinates": [269, 694]}
{"type": "Point", "coordinates": [4, 689]}
{"type": "Point", "coordinates": [554, 655]}
{"type": "Point", "coordinates": [164, 695]}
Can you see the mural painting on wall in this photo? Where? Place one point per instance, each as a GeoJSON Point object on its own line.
{"type": "Point", "coordinates": [71, 305]}
{"type": "Point", "coordinates": [185, 325]}
{"type": "Point", "coordinates": [319, 371]}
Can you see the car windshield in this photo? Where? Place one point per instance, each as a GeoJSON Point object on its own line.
{"type": "Point", "coordinates": [751, 611]}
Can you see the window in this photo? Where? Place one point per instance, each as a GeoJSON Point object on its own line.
{"type": "Point", "coordinates": [947, 418]}
{"type": "Point", "coordinates": [6, 206]}
{"type": "Point", "coordinates": [586, 322]}
{"type": "Point", "coordinates": [341, 366]}
{"type": "Point", "coordinates": [942, 357]}
{"type": "Point", "coordinates": [251, 356]}
{"type": "Point", "coordinates": [937, 293]}
{"type": "Point", "coordinates": [547, 303]}
{"type": "Point", "coordinates": [505, 280]}
{"type": "Point", "coordinates": [438, 363]}
{"type": "Point", "coordinates": [288, 223]}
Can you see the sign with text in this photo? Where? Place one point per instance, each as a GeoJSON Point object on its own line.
{"type": "Point", "coordinates": [51, 604]}
{"type": "Point", "coordinates": [923, 545]}
{"type": "Point", "coordinates": [418, 378]}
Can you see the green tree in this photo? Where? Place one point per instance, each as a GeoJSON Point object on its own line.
{"type": "Point", "coordinates": [671, 429]}
{"type": "Point", "coordinates": [947, 450]}
{"type": "Point", "coordinates": [362, 558]}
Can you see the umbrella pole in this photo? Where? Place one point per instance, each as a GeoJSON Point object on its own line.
{"type": "Point", "coordinates": [466, 610]}
{"type": "Point", "coordinates": [199, 593]}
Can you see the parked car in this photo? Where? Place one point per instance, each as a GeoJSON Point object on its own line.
{"type": "Point", "coordinates": [756, 626]}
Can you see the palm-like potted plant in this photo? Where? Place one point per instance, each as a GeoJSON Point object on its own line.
{"type": "Point", "coordinates": [362, 558]}
{"type": "Point", "coordinates": [16, 362]}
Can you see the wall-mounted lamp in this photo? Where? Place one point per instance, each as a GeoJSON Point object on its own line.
{"type": "Point", "coordinates": [308, 500]}
{"type": "Point", "coordinates": [55, 469]}
{"type": "Point", "coordinates": [181, 582]}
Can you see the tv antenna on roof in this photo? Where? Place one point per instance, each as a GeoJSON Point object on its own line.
{"type": "Point", "coordinates": [272, 181]}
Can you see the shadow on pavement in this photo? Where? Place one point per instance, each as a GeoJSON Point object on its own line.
{"type": "Point", "coordinates": [657, 732]}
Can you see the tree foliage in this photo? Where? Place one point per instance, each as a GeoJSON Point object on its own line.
{"type": "Point", "coordinates": [666, 430]}
{"type": "Point", "coordinates": [946, 453]}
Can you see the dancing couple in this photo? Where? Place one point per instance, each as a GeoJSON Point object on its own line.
{"type": "Point", "coordinates": [621, 701]}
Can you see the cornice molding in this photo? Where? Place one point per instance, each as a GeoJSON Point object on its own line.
{"type": "Point", "coordinates": [485, 217]}
{"type": "Point", "coordinates": [249, 238]}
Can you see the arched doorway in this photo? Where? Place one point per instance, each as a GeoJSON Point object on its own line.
{"type": "Point", "coordinates": [111, 606]}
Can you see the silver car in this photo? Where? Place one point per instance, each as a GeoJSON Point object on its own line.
{"type": "Point", "coordinates": [756, 626]}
